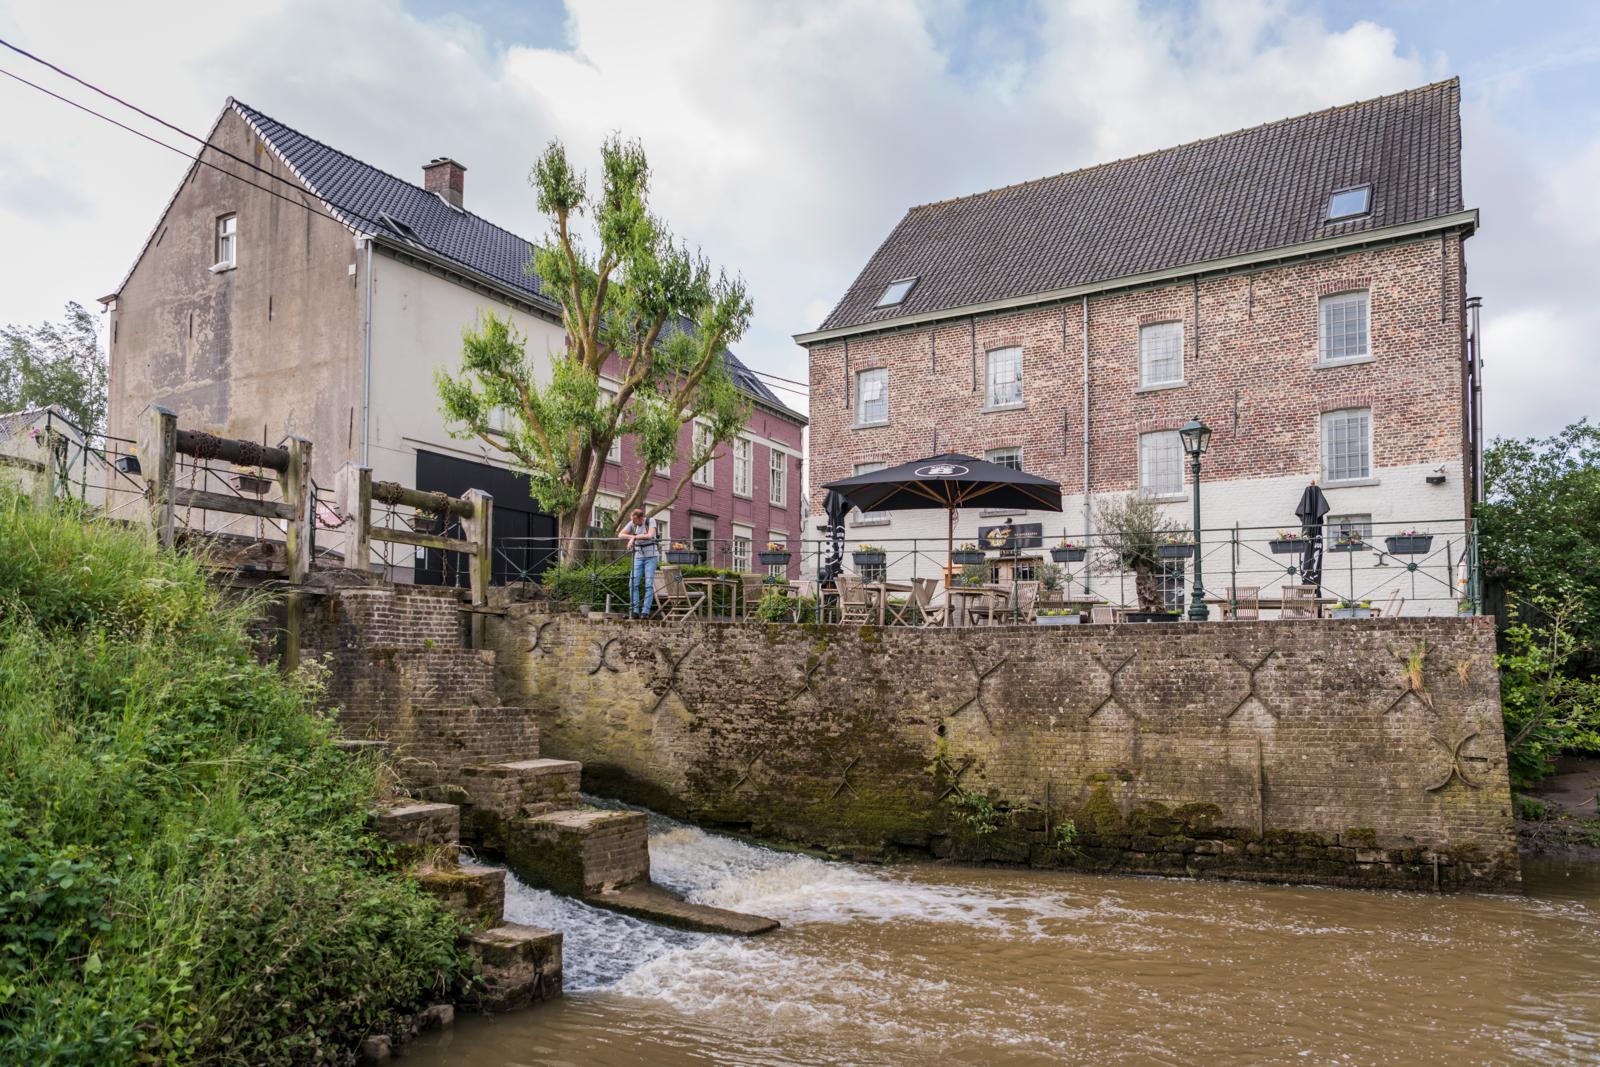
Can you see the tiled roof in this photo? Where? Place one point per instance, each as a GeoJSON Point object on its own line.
{"type": "Point", "coordinates": [369, 200]}
{"type": "Point", "coordinates": [1237, 194]}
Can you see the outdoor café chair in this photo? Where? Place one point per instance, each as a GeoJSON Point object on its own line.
{"type": "Point", "coordinates": [855, 608]}
{"type": "Point", "coordinates": [753, 588]}
{"type": "Point", "coordinates": [1299, 602]}
{"type": "Point", "coordinates": [1246, 601]}
{"type": "Point", "coordinates": [677, 600]}
{"type": "Point", "coordinates": [922, 590]}
{"type": "Point", "coordinates": [1102, 613]}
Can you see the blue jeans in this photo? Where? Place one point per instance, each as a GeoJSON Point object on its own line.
{"type": "Point", "coordinates": [644, 573]}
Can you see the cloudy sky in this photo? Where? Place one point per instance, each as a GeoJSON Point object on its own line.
{"type": "Point", "coordinates": [787, 139]}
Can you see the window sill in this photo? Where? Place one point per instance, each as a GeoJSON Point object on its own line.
{"type": "Point", "coordinates": [868, 425]}
{"type": "Point", "coordinates": [1023, 406]}
{"type": "Point", "coordinates": [1350, 483]}
{"type": "Point", "coordinates": [223, 268]}
{"type": "Point", "coordinates": [702, 485]}
{"type": "Point", "coordinates": [997, 512]}
{"type": "Point", "coordinates": [1329, 364]}
{"type": "Point", "coordinates": [778, 504]}
{"type": "Point", "coordinates": [868, 522]}
{"type": "Point", "coordinates": [743, 496]}
{"type": "Point", "coordinates": [1159, 387]}
{"type": "Point", "coordinates": [1164, 498]}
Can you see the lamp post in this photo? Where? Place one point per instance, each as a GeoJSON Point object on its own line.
{"type": "Point", "coordinates": [1196, 437]}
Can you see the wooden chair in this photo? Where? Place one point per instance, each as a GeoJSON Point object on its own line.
{"type": "Point", "coordinates": [752, 589]}
{"type": "Point", "coordinates": [676, 600]}
{"type": "Point", "coordinates": [1245, 601]}
{"type": "Point", "coordinates": [922, 590]}
{"type": "Point", "coordinates": [1102, 613]}
{"type": "Point", "coordinates": [1027, 603]}
{"type": "Point", "coordinates": [1391, 607]}
{"type": "Point", "coordinates": [1299, 602]}
{"type": "Point", "coordinates": [855, 607]}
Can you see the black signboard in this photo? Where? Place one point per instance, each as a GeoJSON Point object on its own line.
{"type": "Point", "coordinates": [1009, 538]}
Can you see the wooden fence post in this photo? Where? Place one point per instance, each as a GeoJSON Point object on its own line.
{"type": "Point", "coordinates": [157, 450]}
{"type": "Point", "coordinates": [352, 491]}
{"type": "Point", "coordinates": [295, 482]}
{"type": "Point", "coordinates": [478, 528]}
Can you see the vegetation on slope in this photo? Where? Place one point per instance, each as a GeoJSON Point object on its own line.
{"type": "Point", "coordinates": [184, 870]}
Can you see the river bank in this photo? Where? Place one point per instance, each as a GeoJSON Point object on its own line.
{"type": "Point", "coordinates": [1558, 818]}
{"type": "Point", "coordinates": [930, 963]}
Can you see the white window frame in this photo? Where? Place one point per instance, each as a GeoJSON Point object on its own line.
{"type": "Point", "coordinates": [664, 470]}
{"type": "Point", "coordinates": [1358, 522]}
{"type": "Point", "coordinates": [1329, 417]}
{"type": "Point", "coordinates": [742, 552]}
{"type": "Point", "coordinates": [777, 478]}
{"type": "Point", "coordinates": [879, 376]}
{"type": "Point", "coordinates": [992, 380]}
{"type": "Point", "coordinates": [893, 295]}
{"type": "Point", "coordinates": [993, 455]}
{"type": "Point", "coordinates": [225, 239]}
{"type": "Point", "coordinates": [1324, 306]}
{"type": "Point", "coordinates": [705, 477]}
{"type": "Point", "coordinates": [1151, 335]}
{"type": "Point", "coordinates": [1169, 441]}
{"type": "Point", "coordinates": [744, 462]}
{"type": "Point", "coordinates": [869, 518]}
{"type": "Point", "coordinates": [614, 452]}
{"type": "Point", "coordinates": [604, 502]}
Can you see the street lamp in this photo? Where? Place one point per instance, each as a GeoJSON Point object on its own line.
{"type": "Point", "coordinates": [1196, 437]}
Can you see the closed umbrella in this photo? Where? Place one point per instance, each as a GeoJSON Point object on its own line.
{"type": "Point", "coordinates": [835, 507]}
{"type": "Point", "coordinates": [1313, 508]}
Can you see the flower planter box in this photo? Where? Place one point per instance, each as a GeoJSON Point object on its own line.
{"type": "Point", "coordinates": [1412, 545]}
{"type": "Point", "coordinates": [250, 483]}
{"type": "Point", "coordinates": [1058, 620]}
{"type": "Point", "coordinates": [774, 559]}
{"type": "Point", "coordinates": [1174, 551]}
{"type": "Point", "coordinates": [682, 558]}
{"type": "Point", "coordinates": [868, 559]}
{"type": "Point", "coordinates": [1350, 613]}
{"type": "Point", "coordinates": [1352, 546]}
{"type": "Point", "coordinates": [967, 559]}
{"type": "Point", "coordinates": [1068, 555]}
{"type": "Point", "coordinates": [1292, 546]}
{"type": "Point", "coordinates": [1153, 616]}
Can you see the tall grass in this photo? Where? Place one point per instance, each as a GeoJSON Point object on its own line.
{"type": "Point", "coordinates": [185, 876]}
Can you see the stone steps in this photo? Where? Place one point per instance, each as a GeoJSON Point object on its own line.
{"type": "Point", "coordinates": [519, 964]}
{"type": "Point", "coordinates": [581, 852]}
{"type": "Point", "coordinates": [417, 829]}
{"type": "Point", "coordinates": [474, 892]}
{"type": "Point", "coordinates": [503, 795]}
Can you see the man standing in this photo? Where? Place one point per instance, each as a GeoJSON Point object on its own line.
{"type": "Point", "coordinates": [640, 533]}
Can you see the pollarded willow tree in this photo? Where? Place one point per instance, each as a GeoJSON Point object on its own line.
{"type": "Point", "coordinates": [647, 323]}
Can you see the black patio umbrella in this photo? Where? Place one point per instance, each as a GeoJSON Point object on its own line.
{"type": "Point", "coordinates": [834, 508]}
{"type": "Point", "coordinates": [1313, 508]}
{"type": "Point", "coordinates": [950, 481]}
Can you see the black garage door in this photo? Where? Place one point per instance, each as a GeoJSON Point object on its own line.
{"type": "Point", "coordinates": [524, 536]}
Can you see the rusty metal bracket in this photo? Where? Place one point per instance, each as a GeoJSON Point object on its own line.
{"type": "Point", "coordinates": [844, 776]}
{"type": "Point", "coordinates": [602, 649]}
{"type": "Point", "coordinates": [977, 691]}
{"type": "Point", "coordinates": [672, 674]}
{"type": "Point", "coordinates": [1111, 686]}
{"type": "Point", "coordinates": [1250, 672]}
{"type": "Point", "coordinates": [955, 773]}
{"type": "Point", "coordinates": [538, 637]}
{"type": "Point", "coordinates": [1456, 770]}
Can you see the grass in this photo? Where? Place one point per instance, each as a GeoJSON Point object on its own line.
{"type": "Point", "coordinates": [185, 872]}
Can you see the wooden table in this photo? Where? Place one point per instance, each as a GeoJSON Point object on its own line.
{"type": "Point", "coordinates": [882, 590]}
{"type": "Point", "coordinates": [711, 586]}
{"type": "Point", "coordinates": [1273, 603]}
{"type": "Point", "coordinates": [965, 593]}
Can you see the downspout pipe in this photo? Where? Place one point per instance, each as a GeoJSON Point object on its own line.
{"type": "Point", "coordinates": [1086, 513]}
{"type": "Point", "coordinates": [1474, 306]}
{"type": "Point", "coordinates": [366, 367]}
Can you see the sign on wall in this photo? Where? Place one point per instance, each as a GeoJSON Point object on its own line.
{"type": "Point", "coordinates": [1010, 537]}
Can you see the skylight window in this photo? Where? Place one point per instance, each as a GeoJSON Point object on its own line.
{"type": "Point", "coordinates": [399, 227]}
{"type": "Point", "coordinates": [896, 292]}
{"type": "Point", "coordinates": [1349, 203]}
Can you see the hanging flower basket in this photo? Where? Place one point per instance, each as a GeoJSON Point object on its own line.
{"type": "Point", "coordinates": [774, 559]}
{"type": "Point", "coordinates": [1068, 554]}
{"type": "Point", "coordinates": [1177, 551]}
{"type": "Point", "coordinates": [1289, 543]}
{"type": "Point", "coordinates": [681, 554]}
{"type": "Point", "coordinates": [1409, 544]}
{"type": "Point", "coordinates": [1357, 545]}
{"type": "Point", "coordinates": [962, 557]}
{"type": "Point", "coordinates": [869, 557]}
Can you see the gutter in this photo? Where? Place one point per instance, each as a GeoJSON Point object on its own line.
{"type": "Point", "coordinates": [1467, 220]}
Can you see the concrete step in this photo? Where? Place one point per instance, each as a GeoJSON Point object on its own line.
{"type": "Point", "coordinates": [474, 892]}
{"type": "Point", "coordinates": [501, 796]}
{"type": "Point", "coordinates": [416, 829]}
{"type": "Point", "coordinates": [520, 965]}
{"type": "Point", "coordinates": [580, 852]}
{"type": "Point", "coordinates": [649, 901]}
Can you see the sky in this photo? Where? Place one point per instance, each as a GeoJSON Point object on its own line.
{"type": "Point", "coordinates": [787, 139]}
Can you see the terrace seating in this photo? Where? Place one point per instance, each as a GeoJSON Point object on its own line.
{"type": "Point", "coordinates": [855, 607]}
{"type": "Point", "coordinates": [1246, 601]}
{"type": "Point", "coordinates": [922, 590]}
{"type": "Point", "coordinates": [1027, 602]}
{"type": "Point", "coordinates": [753, 589]}
{"type": "Point", "coordinates": [1299, 602]}
{"type": "Point", "coordinates": [676, 600]}
{"type": "Point", "coordinates": [1102, 613]}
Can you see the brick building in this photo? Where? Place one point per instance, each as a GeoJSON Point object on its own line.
{"type": "Point", "coordinates": [1300, 286]}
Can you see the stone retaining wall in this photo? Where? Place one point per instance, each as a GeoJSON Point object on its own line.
{"type": "Point", "coordinates": [1352, 752]}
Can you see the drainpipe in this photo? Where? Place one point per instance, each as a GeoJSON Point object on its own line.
{"type": "Point", "coordinates": [366, 367]}
{"type": "Point", "coordinates": [1086, 515]}
{"type": "Point", "coordinates": [1475, 341]}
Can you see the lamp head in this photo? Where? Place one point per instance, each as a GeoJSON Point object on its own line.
{"type": "Point", "coordinates": [1196, 437]}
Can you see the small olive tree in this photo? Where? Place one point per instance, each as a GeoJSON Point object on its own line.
{"type": "Point", "coordinates": [1135, 528]}
{"type": "Point", "coordinates": [638, 307]}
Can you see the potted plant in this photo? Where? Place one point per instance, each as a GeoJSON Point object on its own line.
{"type": "Point", "coordinates": [1346, 609]}
{"type": "Point", "coordinates": [681, 553]}
{"type": "Point", "coordinates": [1058, 617]}
{"type": "Point", "coordinates": [776, 555]}
{"type": "Point", "coordinates": [1350, 541]}
{"type": "Point", "coordinates": [1175, 548]}
{"type": "Point", "coordinates": [868, 556]}
{"type": "Point", "coordinates": [1067, 552]}
{"type": "Point", "coordinates": [1052, 581]}
{"type": "Point", "coordinates": [1135, 530]}
{"type": "Point", "coordinates": [1289, 542]}
{"type": "Point", "coordinates": [1409, 543]}
{"type": "Point", "coordinates": [967, 555]}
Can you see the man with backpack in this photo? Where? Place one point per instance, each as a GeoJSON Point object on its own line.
{"type": "Point", "coordinates": [643, 537]}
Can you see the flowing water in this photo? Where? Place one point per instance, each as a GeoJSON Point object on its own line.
{"type": "Point", "coordinates": [936, 964]}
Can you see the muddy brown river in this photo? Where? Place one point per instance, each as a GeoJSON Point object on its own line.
{"type": "Point", "coordinates": [940, 965]}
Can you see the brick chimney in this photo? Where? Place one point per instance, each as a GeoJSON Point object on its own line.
{"type": "Point", "coordinates": [447, 178]}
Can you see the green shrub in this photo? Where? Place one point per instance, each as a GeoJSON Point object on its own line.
{"type": "Point", "coordinates": [185, 873]}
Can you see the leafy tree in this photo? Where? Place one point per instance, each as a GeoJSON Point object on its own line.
{"type": "Point", "coordinates": [637, 306]}
{"type": "Point", "coordinates": [1136, 527]}
{"type": "Point", "coordinates": [55, 363]}
{"type": "Point", "coordinates": [1549, 707]}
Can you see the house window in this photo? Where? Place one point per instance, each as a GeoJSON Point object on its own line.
{"type": "Point", "coordinates": [743, 541]}
{"type": "Point", "coordinates": [702, 532]}
{"type": "Point", "coordinates": [608, 397]}
{"type": "Point", "coordinates": [1169, 580]}
{"type": "Point", "coordinates": [1161, 354]}
{"type": "Point", "coordinates": [896, 292]}
{"type": "Point", "coordinates": [1347, 445]}
{"type": "Point", "coordinates": [1005, 457]}
{"type": "Point", "coordinates": [227, 240]}
{"type": "Point", "coordinates": [664, 470]}
{"type": "Point", "coordinates": [702, 445]}
{"type": "Point", "coordinates": [1348, 203]}
{"type": "Point", "coordinates": [499, 419]}
{"type": "Point", "coordinates": [1342, 320]}
{"type": "Point", "coordinates": [743, 462]}
{"type": "Point", "coordinates": [778, 537]}
{"type": "Point", "coordinates": [1336, 526]}
{"type": "Point", "coordinates": [869, 518]}
{"type": "Point", "coordinates": [872, 397]}
{"type": "Point", "coordinates": [778, 484]}
{"type": "Point", "coordinates": [604, 516]}
{"type": "Point", "coordinates": [1161, 464]}
{"type": "Point", "coordinates": [1005, 377]}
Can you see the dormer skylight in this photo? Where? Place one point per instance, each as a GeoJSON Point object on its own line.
{"type": "Point", "coordinates": [401, 228]}
{"type": "Point", "coordinates": [1348, 203]}
{"type": "Point", "coordinates": [896, 292]}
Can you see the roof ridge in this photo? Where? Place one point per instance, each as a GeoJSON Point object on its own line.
{"type": "Point", "coordinates": [1454, 81]}
{"type": "Point", "coordinates": [237, 103]}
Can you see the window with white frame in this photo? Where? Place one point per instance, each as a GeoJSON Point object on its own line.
{"type": "Point", "coordinates": [1161, 464]}
{"type": "Point", "coordinates": [1161, 354]}
{"type": "Point", "coordinates": [664, 470]}
{"type": "Point", "coordinates": [604, 516]}
{"type": "Point", "coordinates": [227, 243]}
{"type": "Point", "coordinates": [778, 537]}
{"type": "Point", "coordinates": [702, 444]}
{"type": "Point", "coordinates": [1336, 527]}
{"type": "Point", "coordinates": [1343, 327]}
{"type": "Point", "coordinates": [870, 518]}
{"type": "Point", "coordinates": [1347, 445]}
{"type": "Point", "coordinates": [1169, 580]}
{"type": "Point", "coordinates": [872, 396]}
{"type": "Point", "coordinates": [499, 419]}
{"type": "Point", "coordinates": [608, 397]}
{"type": "Point", "coordinates": [743, 542]}
{"type": "Point", "coordinates": [1005, 457]}
{"type": "Point", "coordinates": [743, 464]}
{"type": "Point", "coordinates": [1005, 377]}
{"type": "Point", "coordinates": [662, 521]}
{"type": "Point", "coordinates": [778, 480]}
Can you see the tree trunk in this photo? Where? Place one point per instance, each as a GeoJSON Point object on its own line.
{"type": "Point", "coordinates": [1146, 588]}
{"type": "Point", "coordinates": [569, 531]}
